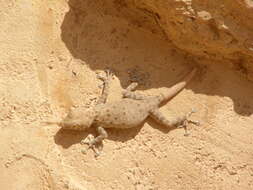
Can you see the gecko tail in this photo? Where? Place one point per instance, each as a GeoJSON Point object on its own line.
{"type": "Point", "coordinates": [174, 90]}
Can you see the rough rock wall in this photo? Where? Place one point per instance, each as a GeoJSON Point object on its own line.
{"type": "Point", "coordinates": [50, 51]}
{"type": "Point", "coordinates": [210, 28]}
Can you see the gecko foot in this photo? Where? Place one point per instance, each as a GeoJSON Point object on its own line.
{"type": "Point", "coordinates": [187, 121]}
{"type": "Point", "coordinates": [90, 141]}
{"type": "Point", "coordinates": [108, 75]}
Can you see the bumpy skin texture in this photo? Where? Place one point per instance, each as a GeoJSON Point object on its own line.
{"type": "Point", "coordinates": [129, 112]}
{"type": "Point", "coordinates": [125, 114]}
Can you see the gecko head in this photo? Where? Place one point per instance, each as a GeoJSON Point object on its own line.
{"type": "Point", "coordinates": [78, 119]}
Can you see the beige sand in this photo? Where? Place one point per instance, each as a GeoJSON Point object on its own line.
{"type": "Point", "coordinates": [50, 53]}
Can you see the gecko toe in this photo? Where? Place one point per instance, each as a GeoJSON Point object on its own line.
{"type": "Point", "coordinates": [186, 134]}
{"type": "Point", "coordinates": [194, 122]}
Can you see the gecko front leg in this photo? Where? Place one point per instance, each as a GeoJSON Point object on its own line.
{"type": "Point", "coordinates": [91, 142]}
{"type": "Point", "coordinates": [106, 79]}
{"type": "Point", "coordinates": [179, 122]}
{"type": "Point", "coordinates": [132, 86]}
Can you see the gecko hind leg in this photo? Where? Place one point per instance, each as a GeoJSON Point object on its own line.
{"type": "Point", "coordinates": [179, 122]}
{"type": "Point", "coordinates": [92, 142]}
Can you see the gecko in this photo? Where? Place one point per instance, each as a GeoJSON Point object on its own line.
{"type": "Point", "coordinates": [131, 111]}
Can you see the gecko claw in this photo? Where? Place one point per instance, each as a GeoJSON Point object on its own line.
{"type": "Point", "coordinates": [108, 75]}
{"type": "Point", "coordinates": [90, 141]}
{"type": "Point", "coordinates": [194, 122]}
{"type": "Point", "coordinates": [103, 78]}
{"type": "Point", "coordinates": [187, 121]}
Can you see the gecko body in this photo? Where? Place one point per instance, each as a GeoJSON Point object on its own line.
{"type": "Point", "coordinates": [130, 111]}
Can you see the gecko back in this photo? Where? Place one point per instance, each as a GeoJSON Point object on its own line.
{"type": "Point", "coordinates": [125, 113]}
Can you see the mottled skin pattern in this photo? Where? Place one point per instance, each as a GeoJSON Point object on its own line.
{"type": "Point", "coordinates": [129, 112]}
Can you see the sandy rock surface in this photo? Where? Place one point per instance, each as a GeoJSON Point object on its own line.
{"type": "Point", "coordinates": [216, 29]}
{"type": "Point", "coordinates": [212, 29]}
{"type": "Point", "coordinates": [50, 54]}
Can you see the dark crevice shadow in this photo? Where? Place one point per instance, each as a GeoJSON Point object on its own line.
{"type": "Point", "coordinates": [107, 34]}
